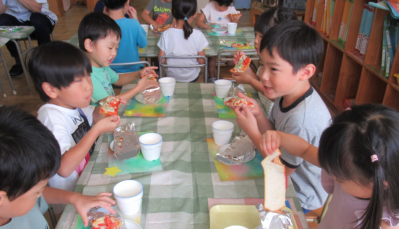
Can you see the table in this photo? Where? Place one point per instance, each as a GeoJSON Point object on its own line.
{"type": "Point", "coordinates": [179, 194]}
{"type": "Point", "coordinates": [213, 49]}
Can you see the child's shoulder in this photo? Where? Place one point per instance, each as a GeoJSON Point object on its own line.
{"type": "Point", "coordinates": [126, 23]}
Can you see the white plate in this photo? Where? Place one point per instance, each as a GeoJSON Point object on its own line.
{"type": "Point", "coordinates": [246, 159]}
{"type": "Point", "coordinates": [219, 30]}
{"type": "Point", "coordinates": [111, 145]}
{"type": "Point", "coordinates": [132, 225]}
{"type": "Point", "coordinates": [139, 98]}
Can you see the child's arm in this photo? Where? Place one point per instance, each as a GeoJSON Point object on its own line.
{"type": "Point", "coordinates": [82, 203]}
{"type": "Point", "coordinates": [145, 15]}
{"type": "Point", "coordinates": [200, 22]}
{"type": "Point", "coordinates": [141, 86]}
{"type": "Point", "coordinates": [161, 54]}
{"type": "Point", "coordinates": [200, 60]}
{"type": "Point", "coordinates": [271, 140]}
{"type": "Point", "coordinates": [130, 77]}
{"type": "Point", "coordinates": [74, 156]}
{"type": "Point", "coordinates": [132, 12]}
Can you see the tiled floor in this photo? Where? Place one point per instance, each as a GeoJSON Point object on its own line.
{"type": "Point", "coordinates": [66, 27]}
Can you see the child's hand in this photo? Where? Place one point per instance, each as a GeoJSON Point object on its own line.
{"type": "Point", "coordinates": [132, 13]}
{"type": "Point", "coordinates": [156, 25]}
{"type": "Point", "coordinates": [246, 120]}
{"type": "Point", "coordinates": [256, 110]}
{"type": "Point", "coordinates": [270, 141]}
{"type": "Point", "coordinates": [236, 56]}
{"type": "Point", "coordinates": [84, 203]}
{"type": "Point", "coordinates": [147, 70]}
{"type": "Point", "coordinates": [235, 20]}
{"type": "Point", "coordinates": [108, 124]}
{"type": "Point", "coordinates": [242, 77]}
{"type": "Point", "coordinates": [145, 83]}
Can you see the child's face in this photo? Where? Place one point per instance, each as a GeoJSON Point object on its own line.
{"type": "Point", "coordinates": [356, 190]}
{"type": "Point", "coordinates": [220, 8]}
{"type": "Point", "coordinates": [77, 94]}
{"type": "Point", "coordinates": [21, 205]}
{"type": "Point", "coordinates": [258, 39]}
{"type": "Point", "coordinates": [277, 75]}
{"type": "Point", "coordinates": [103, 51]}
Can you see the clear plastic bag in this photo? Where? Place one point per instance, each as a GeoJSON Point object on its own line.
{"type": "Point", "coordinates": [151, 95]}
{"type": "Point", "coordinates": [126, 142]}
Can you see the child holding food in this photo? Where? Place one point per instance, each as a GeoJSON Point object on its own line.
{"type": "Point", "coordinates": [99, 38]}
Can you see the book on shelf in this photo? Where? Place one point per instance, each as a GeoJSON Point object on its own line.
{"type": "Point", "coordinates": [314, 16]}
{"type": "Point", "coordinates": [331, 5]}
{"type": "Point", "coordinates": [367, 29]}
{"type": "Point", "coordinates": [344, 26]}
{"type": "Point", "coordinates": [389, 44]}
{"type": "Point", "coordinates": [384, 46]}
{"type": "Point", "coordinates": [327, 16]}
{"type": "Point", "coordinates": [361, 29]}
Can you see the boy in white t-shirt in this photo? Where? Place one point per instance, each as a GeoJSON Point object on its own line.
{"type": "Point", "coordinates": [183, 40]}
{"type": "Point", "coordinates": [215, 12]}
{"type": "Point", "coordinates": [61, 74]}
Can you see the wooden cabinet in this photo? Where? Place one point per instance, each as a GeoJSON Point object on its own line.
{"type": "Point", "coordinates": [345, 74]}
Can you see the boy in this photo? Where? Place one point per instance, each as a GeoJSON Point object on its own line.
{"type": "Point", "coordinates": [162, 14]}
{"type": "Point", "coordinates": [133, 35]}
{"type": "Point", "coordinates": [99, 37]}
{"type": "Point", "coordinates": [61, 74]}
{"type": "Point", "coordinates": [290, 52]}
{"type": "Point", "coordinates": [29, 156]}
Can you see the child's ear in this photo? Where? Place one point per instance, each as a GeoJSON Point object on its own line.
{"type": "Point", "coordinates": [88, 45]}
{"type": "Point", "coordinates": [50, 90]}
{"type": "Point", "coordinates": [307, 72]}
{"type": "Point", "coordinates": [195, 15]}
{"type": "Point", "coordinates": [3, 197]}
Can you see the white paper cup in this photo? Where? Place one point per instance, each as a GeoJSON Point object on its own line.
{"type": "Point", "coordinates": [222, 88]}
{"type": "Point", "coordinates": [222, 131]}
{"type": "Point", "coordinates": [231, 27]}
{"type": "Point", "coordinates": [167, 85]}
{"type": "Point", "coordinates": [145, 27]}
{"type": "Point", "coordinates": [151, 145]}
{"type": "Point", "coordinates": [128, 195]}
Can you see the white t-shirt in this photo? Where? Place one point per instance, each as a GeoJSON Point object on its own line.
{"type": "Point", "coordinates": [16, 9]}
{"type": "Point", "coordinates": [68, 127]}
{"type": "Point", "coordinates": [214, 16]}
{"type": "Point", "coordinates": [172, 42]}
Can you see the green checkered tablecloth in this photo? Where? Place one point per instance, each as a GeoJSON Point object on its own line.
{"type": "Point", "coordinates": [213, 48]}
{"type": "Point", "coordinates": [21, 34]}
{"type": "Point", "coordinates": [176, 197]}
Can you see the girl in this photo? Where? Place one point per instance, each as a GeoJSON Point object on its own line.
{"type": "Point", "coordinates": [265, 21]}
{"type": "Point", "coordinates": [358, 154]}
{"type": "Point", "coordinates": [183, 40]}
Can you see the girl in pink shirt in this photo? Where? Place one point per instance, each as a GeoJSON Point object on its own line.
{"type": "Point", "coordinates": [359, 157]}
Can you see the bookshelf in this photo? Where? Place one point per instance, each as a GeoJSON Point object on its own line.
{"type": "Point", "coordinates": [345, 74]}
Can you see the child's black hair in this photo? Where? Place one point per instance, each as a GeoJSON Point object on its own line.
{"type": "Point", "coordinates": [95, 26]}
{"type": "Point", "coordinates": [296, 43]}
{"type": "Point", "coordinates": [345, 152]}
{"type": "Point", "coordinates": [224, 2]}
{"type": "Point", "coordinates": [57, 63]}
{"type": "Point", "coordinates": [272, 17]}
{"type": "Point", "coordinates": [182, 10]}
{"type": "Point", "coordinates": [114, 4]}
{"type": "Point", "coordinates": [29, 152]}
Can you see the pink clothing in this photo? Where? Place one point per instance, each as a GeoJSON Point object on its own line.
{"type": "Point", "coordinates": [344, 210]}
{"type": "Point", "coordinates": [214, 16]}
{"type": "Point", "coordinates": [83, 164]}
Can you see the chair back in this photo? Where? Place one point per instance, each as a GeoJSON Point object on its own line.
{"type": "Point", "coordinates": [205, 65]}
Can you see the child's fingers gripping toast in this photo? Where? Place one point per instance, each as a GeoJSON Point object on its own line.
{"type": "Point", "coordinates": [148, 70]}
{"type": "Point", "coordinates": [236, 56]}
{"type": "Point", "coordinates": [246, 120]}
{"type": "Point", "coordinates": [270, 141]}
{"type": "Point", "coordinates": [241, 77]}
{"type": "Point", "coordinates": [145, 83]}
{"type": "Point", "coordinates": [108, 124]}
{"type": "Point", "coordinates": [256, 110]}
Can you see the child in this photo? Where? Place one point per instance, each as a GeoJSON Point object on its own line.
{"type": "Point", "coordinates": [290, 52]}
{"type": "Point", "coordinates": [29, 156]}
{"type": "Point", "coordinates": [215, 12]}
{"type": "Point", "coordinates": [358, 155]}
{"type": "Point", "coordinates": [265, 21]}
{"type": "Point", "coordinates": [61, 74]}
{"type": "Point", "coordinates": [162, 14]}
{"type": "Point", "coordinates": [183, 40]}
{"type": "Point", "coordinates": [99, 37]}
{"type": "Point", "coordinates": [133, 35]}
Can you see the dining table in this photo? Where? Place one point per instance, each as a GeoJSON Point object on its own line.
{"type": "Point", "coordinates": [181, 192]}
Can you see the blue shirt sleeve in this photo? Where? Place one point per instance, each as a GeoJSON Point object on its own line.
{"type": "Point", "coordinates": [141, 35]}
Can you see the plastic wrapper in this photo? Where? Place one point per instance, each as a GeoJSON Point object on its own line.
{"type": "Point", "coordinates": [96, 213]}
{"type": "Point", "coordinates": [273, 220]}
{"type": "Point", "coordinates": [151, 95]}
{"type": "Point", "coordinates": [236, 44]}
{"type": "Point", "coordinates": [239, 151]}
{"type": "Point", "coordinates": [126, 142]}
{"type": "Point", "coordinates": [233, 92]}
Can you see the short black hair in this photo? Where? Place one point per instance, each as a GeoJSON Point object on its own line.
{"type": "Point", "coordinates": [114, 4]}
{"type": "Point", "coordinates": [29, 152]}
{"type": "Point", "coordinates": [296, 42]}
{"type": "Point", "coordinates": [95, 26]}
{"type": "Point", "coordinates": [224, 2]}
{"type": "Point", "coordinates": [56, 63]}
{"type": "Point", "coordinates": [272, 17]}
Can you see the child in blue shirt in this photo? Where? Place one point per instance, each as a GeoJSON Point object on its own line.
{"type": "Point", "coordinates": [133, 35]}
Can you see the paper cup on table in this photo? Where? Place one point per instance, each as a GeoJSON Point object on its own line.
{"type": "Point", "coordinates": [167, 85]}
{"type": "Point", "coordinates": [231, 27]}
{"type": "Point", "coordinates": [151, 145]}
{"type": "Point", "coordinates": [145, 27]}
{"type": "Point", "coordinates": [222, 131]}
{"type": "Point", "coordinates": [128, 195]}
{"type": "Point", "coordinates": [222, 88]}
